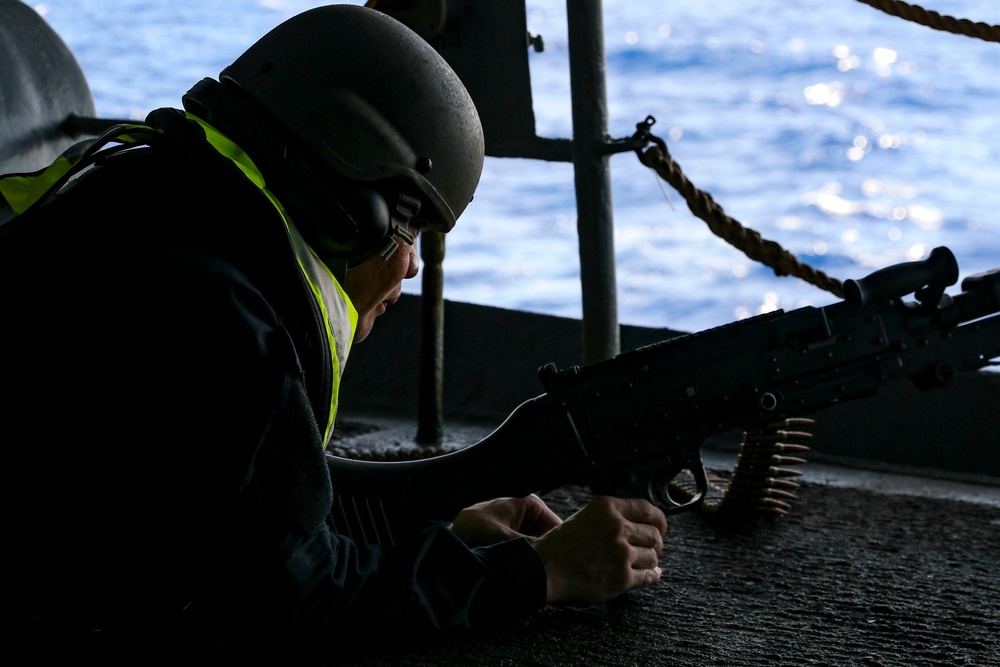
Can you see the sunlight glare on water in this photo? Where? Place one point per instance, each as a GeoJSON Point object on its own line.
{"type": "Point", "coordinates": [853, 138]}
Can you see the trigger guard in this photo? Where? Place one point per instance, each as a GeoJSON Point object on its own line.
{"type": "Point", "coordinates": [660, 488]}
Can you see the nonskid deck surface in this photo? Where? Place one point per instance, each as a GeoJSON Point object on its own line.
{"type": "Point", "coordinates": [871, 567]}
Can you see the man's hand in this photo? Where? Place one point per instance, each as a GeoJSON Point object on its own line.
{"type": "Point", "coordinates": [503, 519]}
{"type": "Point", "coordinates": [610, 546]}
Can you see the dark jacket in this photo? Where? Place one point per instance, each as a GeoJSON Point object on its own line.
{"type": "Point", "coordinates": [166, 466]}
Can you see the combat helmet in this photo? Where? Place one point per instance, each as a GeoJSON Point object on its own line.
{"type": "Point", "coordinates": [357, 99]}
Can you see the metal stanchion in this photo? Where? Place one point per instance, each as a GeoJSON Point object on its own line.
{"type": "Point", "coordinates": [430, 428]}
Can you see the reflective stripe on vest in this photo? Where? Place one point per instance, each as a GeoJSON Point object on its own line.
{"type": "Point", "coordinates": [340, 318]}
{"type": "Point", "coordinates": [21, 192]}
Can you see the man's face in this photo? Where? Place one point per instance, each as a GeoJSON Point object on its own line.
{"type": "Point", "coordinates": [376, 283]}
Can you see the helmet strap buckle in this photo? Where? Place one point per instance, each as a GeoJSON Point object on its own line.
{"type": "Point", "coordinates": [407, 208]}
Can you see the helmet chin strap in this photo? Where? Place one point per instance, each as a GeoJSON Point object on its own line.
{"type": "Point", "coordinates": [407, 208]}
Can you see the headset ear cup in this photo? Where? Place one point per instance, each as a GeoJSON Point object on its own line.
{"type": "Point", "coordinates": [368, 217]}
{"type": "Point", "coordinates": [340, 222]}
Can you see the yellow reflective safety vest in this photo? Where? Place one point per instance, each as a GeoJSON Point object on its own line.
{"type": "Point", "coordinates": [20, 193]}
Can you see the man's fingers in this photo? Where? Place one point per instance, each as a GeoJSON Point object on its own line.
{"type": "Point", "coordinates": [502, 519]}
{"type": "Point", "coordinates": [608, 547]}
{"type": "Point", "coordinates": [644, 512]}
{"type": "Point", "coordinates": [645, 559]}
{"type": "Point", "coordinates": [643, 535]}
{"type": "Point", "coordinates": [645, 578]}
{"type": "Point", "coordinates": [537, 518]}
{"type": "Point", "coordinates": [646, 569]}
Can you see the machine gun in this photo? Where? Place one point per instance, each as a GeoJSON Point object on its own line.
{"type": "Point", "coordinates": [629, 425]}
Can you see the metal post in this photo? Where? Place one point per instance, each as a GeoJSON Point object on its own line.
{"type": "Point", "coordinates": [430, 427]}
{"type": "Point", "coordinates": [593, 180]}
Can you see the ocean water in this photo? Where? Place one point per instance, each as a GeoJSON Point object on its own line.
{"type": "Point", "coordinates": [853, 138]}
